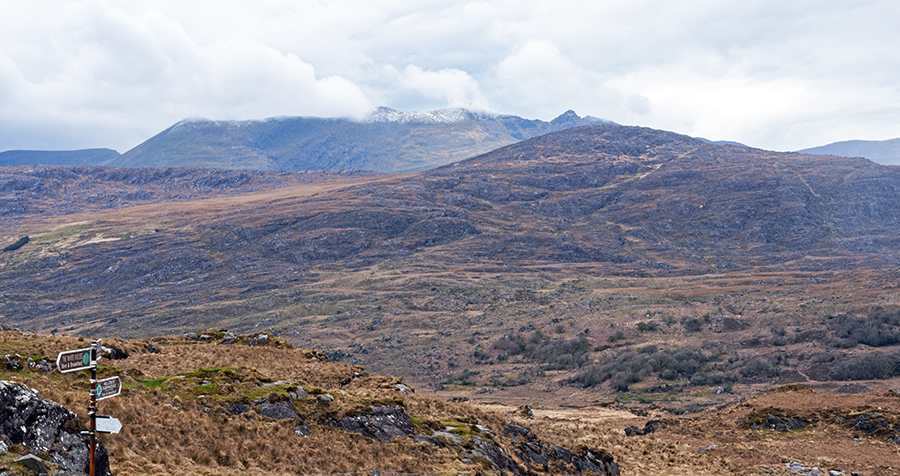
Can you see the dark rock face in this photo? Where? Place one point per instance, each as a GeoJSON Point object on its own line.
{"type": "Point", "coordinates": [237, 409]}
{"type": "Point", "coordinates": [382, 423]}
{"type": "Point", "coordinates": [280, 410]}
{"type": "Point", "coordinates": [535, 452]}
{"type": "Point", "coordinates": [779, 424]}
{"type": "Point", "coordinates": [46, 427]}
{"type": "Point", "coordinates": [649, 427]}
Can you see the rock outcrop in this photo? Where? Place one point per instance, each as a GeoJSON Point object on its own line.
{"type": "Point", "coordinates": [46, 428]}
{"type": "Point", "coordinates": [381, 423]}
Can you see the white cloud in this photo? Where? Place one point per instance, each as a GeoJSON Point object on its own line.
{"type": "Point", "coordinates": [768, 73]}
{"type": "Point", "coordinates": [452, 86]}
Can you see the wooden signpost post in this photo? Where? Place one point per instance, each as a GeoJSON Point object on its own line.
{"type": "Point", "coordinates": [83, 359]}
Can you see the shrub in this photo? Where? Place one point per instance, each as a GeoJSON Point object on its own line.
{"type": "Point", "coordinates": [632, 366]}
{"type": "Point", "coordinates": [18, 244]}
{"type": "Point", "coordinates": [556, 353]}
{"type": "Point", "coordinates": [648, 326]}
{"type": "Point", "coordinates": [880, 328]}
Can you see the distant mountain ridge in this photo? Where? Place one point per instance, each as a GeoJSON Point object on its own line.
{"type": "Point", "coordinates": [387, 140]}
{"type": "Point", "coordinates": [58, 157]}
{"type": "Point", "coordinates": [884, 152]}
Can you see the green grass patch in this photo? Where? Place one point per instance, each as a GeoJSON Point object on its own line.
{"type": "Point", "coordinates": [205, 389]}
{"type": "Point", "coordinates": [63, 232]}
{"type": "Point", "coordinates": [155, 383]}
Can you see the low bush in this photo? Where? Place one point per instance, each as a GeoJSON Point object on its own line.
{"type": "Point", "coordinates": [556, 353]}
{"type": "Point", "coordinates": [632, 366]}
{"type": "Point", "coordinates": [18, 244]}
{"type": "Point", "coordinates": [880, 328]}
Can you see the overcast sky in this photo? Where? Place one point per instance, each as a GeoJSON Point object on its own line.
{"type": "Point", "coordinates": [776, 74]}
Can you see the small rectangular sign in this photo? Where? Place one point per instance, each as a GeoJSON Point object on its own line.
{"type": "Point", "coordinates": [72, 360]}
{"type": "Point", "coordinates": [109, 387]}
{"type": "Point", "coordinates": [108, 424]}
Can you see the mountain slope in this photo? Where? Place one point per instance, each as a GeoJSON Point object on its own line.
{"type": "Point", "coordinates": [590, 232]}
{"type": "Point", "coordinates": [386, 141]}
{"type": "Point", "coordinates": [886, 152]}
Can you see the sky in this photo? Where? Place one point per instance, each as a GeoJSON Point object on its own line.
{"type": "Point", "coordinates": [775, 74]}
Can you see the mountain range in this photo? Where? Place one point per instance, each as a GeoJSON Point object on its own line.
{"type": "Point", "coordinates": [886, 152]}
{"type": "Point", "coordinates": [387, 140]}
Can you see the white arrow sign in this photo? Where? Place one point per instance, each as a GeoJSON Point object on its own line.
{"type": "Point", "coordinates": [108, 424]}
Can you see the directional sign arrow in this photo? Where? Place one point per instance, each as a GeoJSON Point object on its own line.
{"type": "Point", "coordinates": [108, 424]}
{"type": "Point", "coordinates": [109, 387]}
{"type": "Point", "coordinates": [72, 360]}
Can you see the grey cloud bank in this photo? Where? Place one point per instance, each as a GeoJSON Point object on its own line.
{"type": "Point", "coordinates": [777, 75]}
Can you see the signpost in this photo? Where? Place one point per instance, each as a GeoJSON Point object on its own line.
{"type": "Point", "coordinates": [84, 359]}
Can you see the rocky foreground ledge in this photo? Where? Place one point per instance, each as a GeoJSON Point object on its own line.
{"type": "Point", "coordinates": [32, 428]}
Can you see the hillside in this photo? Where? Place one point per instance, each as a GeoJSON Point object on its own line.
{"type": "Point", "coordinates": [30, 191]}
{"type": "Point", "coordinates": [566, 267]}
{"type": "Point", "coordinates": [886, 152]}
{"type": "Point", "coordinates": [198, 405]}
{"type": "Point", "coordinates": [386, 141]}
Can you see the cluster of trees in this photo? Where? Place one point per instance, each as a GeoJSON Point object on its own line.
{"type": "Point", "coordinates": [555, 353]}
{"type": "Point", "coordinates": [878, 329]}
{"type": "Point", "coordinates": [689, 365]}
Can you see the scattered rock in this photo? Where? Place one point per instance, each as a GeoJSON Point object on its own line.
{"type": "Point", "coordinates": [404, 389]}
{"type": "Point", "coordinates": [262, 339]}
{"type": "Point", "coordinates": [192, 336]}
{"type": "Point", "coordinates": [801, 470]}
{"type": "Point", "coordinates": [280, 382]}
{"type": "Point", "coordinates": [113, 353]}
{"type": "Point", "coordinates": [649, 427]}
{"type": "Point", "coordinates": [297, 394]}
{"type": "Point", "coordinates": [302, 429]}
{"type": "Point", "coordinates": [870, 423]}
{"type": "Point", "coordinates": [3, 448]}
{"type": "Point", "coordinates": [707, 448]}
{"type": "Point", "coordinates": [525, 411]}
{"type": "Point", "coordinates": [326, 397]}
{"type": "Point", "coordinates": [431, 440]}
{"type": "Point", "coordinates": [153, 349]}
{"type": "Point", "coordinates": [773, 422]}
{"type": "Point", "coordinates": [237, 408]}
{"type": "Point", "coordinates": [45, 365]}
{"type": "Point", "coordinates": [279, 411]}
{"type": "Point", "coordinates": [13, 364]}
{"type": "Point", "coordinates": [33, 463]}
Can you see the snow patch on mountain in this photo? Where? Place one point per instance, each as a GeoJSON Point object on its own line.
{"type": "Point", "coordinates": [449, 115]}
